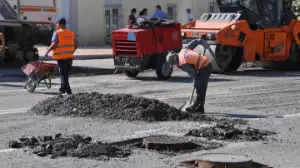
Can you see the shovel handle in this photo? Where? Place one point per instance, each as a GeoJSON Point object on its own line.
{"type": "Point", "coordinates": [192, 96]}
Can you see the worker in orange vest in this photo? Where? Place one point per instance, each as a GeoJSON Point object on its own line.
{"type": "Point", "coordinates": [63, 45]}
{"type": "Point", "coordinates": [198, 67]}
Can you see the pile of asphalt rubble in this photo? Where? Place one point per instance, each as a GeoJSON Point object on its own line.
{"type": "Point", "coordinates": [231, 132]}
{"type": "Point", "coordinates": [131, 108]}
{"type": "Point", "coordinates": [74, 146]}
{"type": "Point", "coordinates": [112, 106]}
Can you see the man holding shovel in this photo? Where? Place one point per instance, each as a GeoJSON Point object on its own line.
{"type": "Point", "coordinates": [198, 67]}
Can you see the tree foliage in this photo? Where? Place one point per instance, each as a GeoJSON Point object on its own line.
{"type": "Point", "coordinates": [293, 5]}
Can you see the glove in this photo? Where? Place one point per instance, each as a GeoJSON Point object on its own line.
{"type": "Point", "coordinates": [193, 44]}
{"type": "Point", "coordinates": [171, 58]}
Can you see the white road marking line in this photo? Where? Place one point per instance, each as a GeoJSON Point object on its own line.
{"type": "Point", "coordinates": [148, 131]}
{"type": "Point", "coordinates": [291, 115]}
{"type": "Point", "coordinates": [44, 88]}
{"type": "Point", "coordinates": [184, 95]}
{"type": "Point", "coordinates": [14, 111]}
{"type": "Point", "coordinates": [8, 150]}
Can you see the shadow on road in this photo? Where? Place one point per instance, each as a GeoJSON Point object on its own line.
{"type": "Point", "coordinates": [12, 85]}
{"type": "Point", "coordinates": [180, 79]}
{"type": "Point", "coordinates": [13, 79]}
{"type": "Point", "coordinates": [265, 73]}
{"type": "Point", "coordinates": [86, 71]}
{"type": "Point", "coordinates": [244, 116]}
{"type": "Point", "coordinates": [22, 84]}
{"type": "Point", "coordinates": [47, 93]}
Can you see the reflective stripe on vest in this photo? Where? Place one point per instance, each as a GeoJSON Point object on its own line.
{"type": "Point", "coordinates": [65, 47]}
{"type": "Point", "coordinates": [191, 57]}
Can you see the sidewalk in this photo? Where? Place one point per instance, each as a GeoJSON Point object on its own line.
{"type": "Point", "coordinates": [100, 58]}
{"type": "Point", "coordinates": [83, 53]}
{"type": "Point", "coordinates": [79, 66]}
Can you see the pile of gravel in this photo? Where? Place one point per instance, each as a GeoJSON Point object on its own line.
{"type": "Point", "coordinates": [73, 146]}
{"type": "Point", "coordinates": [230, 131]}
{"type": "Point", "coordinates": [109, 106]}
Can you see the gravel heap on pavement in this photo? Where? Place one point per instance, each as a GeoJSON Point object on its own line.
{"type": "Point", "coordinates": [74, 146]}
{"type": "Point", "coordinates": [230, 131]}
{"type": "Point", "coordinates": [109, 106]}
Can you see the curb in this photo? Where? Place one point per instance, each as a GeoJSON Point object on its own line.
{"type": "Point", "coordinates": [20, 74]}
{"type": "Point", "coordinates": [84, 57]}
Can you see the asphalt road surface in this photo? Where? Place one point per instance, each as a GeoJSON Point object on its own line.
{"type": "Point", "coordinates": [268, 99]}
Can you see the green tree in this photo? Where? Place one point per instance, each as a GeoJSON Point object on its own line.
{"type": "Point", "coordinates": [293, 5]}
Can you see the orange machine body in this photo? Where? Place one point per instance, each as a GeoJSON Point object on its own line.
{"type": "Point", "coordinates": [264, 44]}
{"type": "Point", "coordinates": [269, 44]}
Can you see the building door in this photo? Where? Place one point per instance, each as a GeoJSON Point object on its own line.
{"type": "Point", "coordinates": [172, 12]}
{"type": "Point", "coordinates": [113, 20]}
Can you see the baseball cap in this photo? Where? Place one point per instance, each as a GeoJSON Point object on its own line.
{"type": "Point", "coordinates": [62, 21]}
{"type": "Point", "coordinates": [188, 9]}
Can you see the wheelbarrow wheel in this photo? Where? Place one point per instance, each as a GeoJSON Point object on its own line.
{"type": "Point", "coordinates": [31, 85]}
{"type": "Point", "coordinates": [131, 73]}
{"type": "Point", "coordinates": [48, 83]}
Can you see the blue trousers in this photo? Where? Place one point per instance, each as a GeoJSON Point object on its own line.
{"type": "Point", "coordinates": [201, 82]}
{"type": "Point", "coordinates": [64, 66]}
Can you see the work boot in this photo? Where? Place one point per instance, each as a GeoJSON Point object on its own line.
{"type": "Point", "coordinates": [192, 107]}
{"type": "Point", "coordinates": [200, 109]}
{"type": "Point", "coordinates": [62, 91]}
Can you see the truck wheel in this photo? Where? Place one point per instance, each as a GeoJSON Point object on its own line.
{"type": "Point", "coordinates": [163, 69]}
{"type": "Point", "coordinates": [131, 73]}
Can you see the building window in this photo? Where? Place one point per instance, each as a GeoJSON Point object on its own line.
{"type": "Point", "coordinates": [113, 19]}
{"type": "Point", "coordinates": [172, 11]}
{"type": "Point", "coordinates": [107, 22]}
{"type": "Point", "coordinates": [213, 7]}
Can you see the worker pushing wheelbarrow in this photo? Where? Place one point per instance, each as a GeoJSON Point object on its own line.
{"type": "Point", "coordinates": [37, 72]}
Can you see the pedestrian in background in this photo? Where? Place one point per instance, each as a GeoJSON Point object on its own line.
{"type": "Point", "coordinates": [159, 13]}
{"type": "Point", "coordinates": [63, 45]}
{"type": "Point", "coordinates": [145, 10]}
{"type": "Point", "coordinates": [132, 18]}
{"type": "Point", "coordinates": [141, 17]}
{"type": "Point", "coordinates": [191, 16]}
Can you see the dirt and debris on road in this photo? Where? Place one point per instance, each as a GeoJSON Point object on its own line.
{"type": "Point", "coordinates": [73, 146]}
{"type": "Point", "coordinates": [230, 131]}
{"type": "Point", "coordinates": [112, 106]}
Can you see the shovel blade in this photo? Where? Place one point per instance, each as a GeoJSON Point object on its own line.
{"type": "Point", "coordinates": [184, 106]}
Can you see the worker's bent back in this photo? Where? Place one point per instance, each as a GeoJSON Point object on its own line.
{"type": "Point", "coordinates": [187, 56]}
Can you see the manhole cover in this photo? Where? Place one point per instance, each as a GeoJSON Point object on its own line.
{"type": "Point", "coordinates": [167, 144]}
{"type": "Point", "coordinates": [162, 142]}
{"type": "Point", "coordinates": [218, 160]}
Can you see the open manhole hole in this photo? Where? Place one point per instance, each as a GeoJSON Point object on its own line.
{"type": "Point", "coordinates": [167, 144]}
{"type": "Point", "coordinates": [218, 160]}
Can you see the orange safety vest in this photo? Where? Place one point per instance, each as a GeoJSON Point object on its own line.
{"type": "Point", "coordinates": [66, 46]}
{"type": "Point", "coordinates": [187, 56]}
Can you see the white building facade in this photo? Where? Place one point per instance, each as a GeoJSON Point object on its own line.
{"type": "Point", "coordinates": [93, 20]}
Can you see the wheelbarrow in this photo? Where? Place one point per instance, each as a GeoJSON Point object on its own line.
{"type": "Point", "coordinates": [38, 72]}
